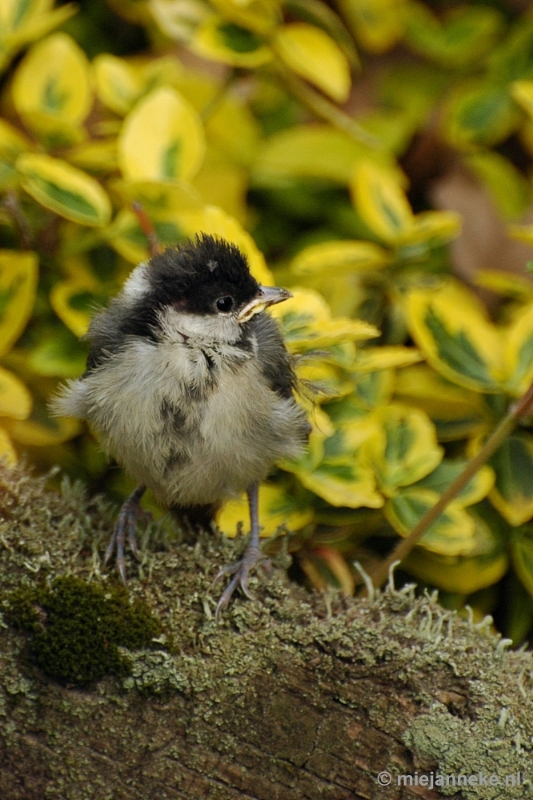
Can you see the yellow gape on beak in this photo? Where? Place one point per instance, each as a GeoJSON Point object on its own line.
{"type": "Point", "coordinates": [267, 296]}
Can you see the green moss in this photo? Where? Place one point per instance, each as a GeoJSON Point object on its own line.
{"type": "Point", "coordinates": [75, 628]}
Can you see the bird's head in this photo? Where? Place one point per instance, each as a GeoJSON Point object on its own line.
{"type": "Point", "coordinates": [200, 288]}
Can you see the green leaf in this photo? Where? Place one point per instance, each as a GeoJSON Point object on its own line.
{"type": "Point", "coordinates": [464, 35]}
{"type": "Point", "coordinates": [507, 186]}
{"type": "Point", "coordinates": [479, 114]}
{"type": "Point", "coordinates": [58, 353]}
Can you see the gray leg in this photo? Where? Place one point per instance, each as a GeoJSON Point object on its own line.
{"type": "Point", "coordinates": [126, 522]}
{"type": "Point", "coordinates": [251, 558]}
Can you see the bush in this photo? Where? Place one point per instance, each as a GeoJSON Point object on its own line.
{"type": "Point", "coordinates": [320, 140]}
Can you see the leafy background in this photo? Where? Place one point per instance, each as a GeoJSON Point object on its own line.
{"type": "Point", "coordinates": [376, 155]}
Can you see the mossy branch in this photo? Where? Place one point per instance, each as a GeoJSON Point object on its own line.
{"type": "Point", "coordinates": [292, 695]}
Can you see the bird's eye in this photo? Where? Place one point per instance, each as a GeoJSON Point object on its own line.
{"type": "Point", "coordinates": [224, 304]}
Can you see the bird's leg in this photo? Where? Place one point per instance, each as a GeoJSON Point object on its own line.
{"type": "Point", "coordinates": [252, 556]}
{"type": "Point", "coordinates": [126, 523]}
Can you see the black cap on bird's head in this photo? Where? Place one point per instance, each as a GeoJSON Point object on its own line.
{"type": "Point", "coordinates": [209, 276]}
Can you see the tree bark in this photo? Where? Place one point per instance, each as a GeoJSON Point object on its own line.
{"type": "Point", "coordinates": [291, 696]}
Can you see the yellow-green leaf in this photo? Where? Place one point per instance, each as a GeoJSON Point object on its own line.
{"type": "Point", "coordinates": [522, 92]}
{"type": "Point", "coordinates": [307, 323]}
{"type": "Point", "coordinates": [381, 202]}
{"type": "Point", "coordinates": [277, 507]}
{"type": "Point", "coordinates": [57, 353]}
{"type": "Point", "coordinates": [339, 256]}
{"type": "Point", "coordinates": [328, 379]}
{"type": "Point", "coordinates": [404, 448]}
{"type": "Point", "coordinates": [512, 494]}
{"type": "Point", "coordinates": [377, 24]}
{"type": "Point", "coordinates": [219, 39]}
{"type": "Point", "coordinates": [178, 20]}
{"type": "Point", "coordinates": [7, 451]}
{"type": "Point", "coordinates": [459, 38]}
{"type": "Point", "coordinates": [23, 21]}
{"type": "Point", "coordinates": [162, 139]}
{"type": "Point", "coordinates": [96, 156]}
{"type": "Point", "coordinates": [223, 184]}
{"type": "Point", "coordinates": [452, 534]}
{"type": "Point", "coordinates": [40, 430]}
{"type": "Point", "coordinates": [370, 359]}
{"type": "Point", "coordinates": [459, 574]}
{"type": "Point", "coordinates": [316, 151]}
{"type": "Point", "coordinates": [12, 144]}
{"type": "Point", "coordinates": [350, 484]}
{"type": "Point", "coordinates": [233, 113]}
{"type": "Point", "coordinates": [518, 351]}
{"type": "Point", "coordinates": [447, 471]}
{"type": "Point", "coordinates": [522, 555]}
{"type": "Point", "coordinates": [51, 88]}
{"type": "Point", "coordinates": [127, 238]}
{"type": "Point", "coordinates": [67, 191]}
{"type": "Point", "coordinates": [451, 327]}
{"type": "Point", "coordinates": [339, 571]}
{"type": "Point", "coordinates": [508, 187]}
{"type": "Point", "coordinates": [257, 15]}
{"type": "Point", "coordinates": [74, 303]}
{"type": "Point", "coordinates": [432, 228]}
{"type": "Point", "coordinates": [158, 197]}
{"type": "Point", "coordinates": [15, 399]}
{"type": "Point", "coordinates": [118, 83]}
{"type": "Point", "coordinates": [506, 284]}
{"type": "Point", "coordinates": [457, 413]}
{"type": "Point", "coordinates": [315, 56]}
{"type": "Point", "coordinates": [18, 283]}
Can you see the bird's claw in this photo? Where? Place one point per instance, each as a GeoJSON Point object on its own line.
{"type": "Point", "coordinates": [240, 570]}
{"type": "Point", "coordinates": [126, 523]}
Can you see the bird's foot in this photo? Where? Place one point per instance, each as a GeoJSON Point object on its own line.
{"type": "Point", "coordinates": [126, 523]}
{"type": "Point", "coordinates": [241, 569]}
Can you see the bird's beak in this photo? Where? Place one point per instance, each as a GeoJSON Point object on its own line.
{"type": "Point", "coordinates": [266, 296]}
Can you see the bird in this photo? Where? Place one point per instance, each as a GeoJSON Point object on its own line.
{"type": "Point", "coordinates": [190, 387]}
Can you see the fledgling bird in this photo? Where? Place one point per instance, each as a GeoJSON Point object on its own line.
{"type": "Point", "coordinates": [189, 386]}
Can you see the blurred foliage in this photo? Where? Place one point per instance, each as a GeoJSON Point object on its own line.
{"type": "Point", "coordinates": [311, 134]}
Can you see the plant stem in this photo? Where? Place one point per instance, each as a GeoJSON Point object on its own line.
{"type": "Point", "coordinates": [498, 436]}
{"type": "Point", "coordinates": [147, 227]}
{"type": "Point", "coordinates": [324, 109]}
